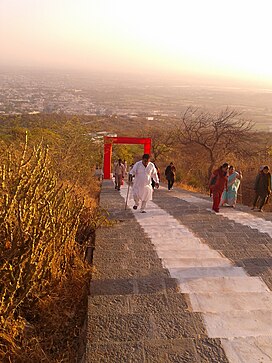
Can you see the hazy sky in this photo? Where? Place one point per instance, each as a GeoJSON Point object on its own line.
{"type": "Point", "coordinates": [210, 37]}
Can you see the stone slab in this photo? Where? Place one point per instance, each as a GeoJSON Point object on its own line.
{"type": "Point", "coordinates": [249, 350]}
{"type": "Point", "coordinates": [185, 274]}
{"type": "Point", "coordinates": [220, 302]}
{"type": "Point", "coordinates": [180, 245]}
{"type": "Point", "coordinates": [196, 254]}
{"type": "Point", "coordinates": [195, 262]}
{"type": "Point", "coordinates": [224, 284]}
{"type": "Point", "coordinates": [239, 324]}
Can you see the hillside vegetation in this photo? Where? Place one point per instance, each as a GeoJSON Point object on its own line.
{"type": "Point", "coordinates": [197, 142]}
{"type": "Point", "coordinates": [48, 215]}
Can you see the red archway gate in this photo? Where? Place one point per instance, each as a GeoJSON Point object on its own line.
{"type": "Point", "coordinates": [109, 141]}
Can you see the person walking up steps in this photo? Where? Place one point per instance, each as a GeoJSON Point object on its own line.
{"type": "Point", "coordinates": [217, 184]}
{"type": "Point", "coordinates": [229, 196]}
{"type": "Point", "coordinates": [262, 188]}
{"type": "Point", "coordinates": [170, 173]}
{"type": "Point", "coordinates": [142, 190]}
{"type": "Point", "coordinates": [119, 173]}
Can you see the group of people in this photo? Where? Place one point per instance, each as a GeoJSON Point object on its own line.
{"type": "Point", "coordinates": [224, 185]}
{"type": "Point", "coordinates": [225, 181]}
{"type": "Point", "coordinates": [146, 176]}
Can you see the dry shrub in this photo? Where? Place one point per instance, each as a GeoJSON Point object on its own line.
{"type": "Point", "coordinates": [42, 272]}
{"type": "Point", "coordinates": [191, 188]}
{"type": "Point", "coordinates": [56, 324]}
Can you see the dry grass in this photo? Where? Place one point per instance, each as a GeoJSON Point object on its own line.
{"type": "Point", "coordinates": [191, 188]}
{"type": "Point", "coordinates": [45, 225]}
{"type": "Point", "coordinates": [55, 327]}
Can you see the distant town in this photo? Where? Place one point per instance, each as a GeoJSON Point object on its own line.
{"type": "Point", "coordinates": [35, 92]}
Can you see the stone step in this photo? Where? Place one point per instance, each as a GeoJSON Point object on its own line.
{"type": "Point", "coordinates": [231, 324]}
{"type": "Point", "coordinates": [179, 244]}
{"type": "Point", "coordinates": [170, 239]}
{"type": "Point", "coordinates": [231, 301]}
{"type": "Point", "coordinates": [249, 349]}
{"type": "Point", "coordinates": [161, 237]}
{"type": "Point", "coordinates": [144, 326]}
{"type": "Point", "coordinates": [168, 224]}
{"type": "Point", "coordinates": [158, 302]}
{"type": "Point", "coordinates": [133, 272]}
{"type": "Point", "coordinates": [142, 285]}
{"type": "Point", "coordinates": [191, 273]}
{"type": "Point", "coordinates": [197, 254]}
{"type": "Point", "coordinates": [157, 350]}
{"type": "Point", "coordinates": [195, 262]}
{"type": "Point", "coordinates": [223, 284]}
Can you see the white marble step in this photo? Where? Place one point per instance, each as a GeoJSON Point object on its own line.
{"type": "Point", "coordinates": [223, 284]}
{"type": "Point", "coordinates": [231, 301]}
{"type": "Point", "coordinates": [197, 254]}
{"type": "Point", "coordinates": [195, 262]}
{"type": "Point", "coordinates": [171, 234]}
{"type": "Point", "coordinates": [169, 239]}
{"type": "Point", "coordinates": [185, 274]}
{"type": "Point", "coordinates": [179, 245]}
{"type": "Point", "coordinates": [248, 350]}
{"type": "Point", "coordinates": [165, 223]}
{"type": "Point", "coordinates": [152, 213]}
{"type": "Point", "coordinates": [231, 324]}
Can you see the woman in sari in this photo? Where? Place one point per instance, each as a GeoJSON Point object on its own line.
{"type": "Point", "coordinates": [217, 184]}
{"type": "Point", "coordinates": [229, 196]}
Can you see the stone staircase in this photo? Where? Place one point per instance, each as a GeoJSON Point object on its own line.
{"type": "Point", "coordinates": [180, 284]}
{"type": "Point", "coordinates": [136, 310]}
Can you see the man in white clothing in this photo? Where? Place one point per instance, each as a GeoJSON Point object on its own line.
{"type": "Point", "coordinates": [142, 190]}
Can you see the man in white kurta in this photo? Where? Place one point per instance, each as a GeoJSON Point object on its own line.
{"type": "Point", "coordinates": [142, 190]}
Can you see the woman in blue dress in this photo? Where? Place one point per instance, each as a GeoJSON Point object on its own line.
{"type": "Point", "coordinates": [229, 196]}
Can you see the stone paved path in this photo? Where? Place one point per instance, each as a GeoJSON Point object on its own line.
{"type": "Point", "coordinates": [179, 283]}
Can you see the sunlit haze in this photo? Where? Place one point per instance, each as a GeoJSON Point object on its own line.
{"type": "Point", "coordinates": [210, 38]}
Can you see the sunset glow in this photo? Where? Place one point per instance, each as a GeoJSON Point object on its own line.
{"type": "Point", "coordinates": [177, 37]}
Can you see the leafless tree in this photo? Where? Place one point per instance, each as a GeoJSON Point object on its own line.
{"type": "Point", "coordinates": [217, 135]}
{"type": "Point", "coordinates": [163, 141]}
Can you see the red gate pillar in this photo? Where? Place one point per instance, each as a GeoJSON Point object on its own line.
{"type": "Point", "coordinates": [107, 160]}
{"type": "Point", "coordinates": [147, 147]}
